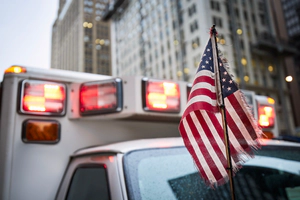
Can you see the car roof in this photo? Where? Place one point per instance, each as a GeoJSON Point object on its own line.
{"type": "Point", "coordinates": [127, 146]}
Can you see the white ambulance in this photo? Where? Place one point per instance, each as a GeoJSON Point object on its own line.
{"type": "Point", "coordinates": [56, 127]}
{"type": "Point", "coordinates": [46, 115]}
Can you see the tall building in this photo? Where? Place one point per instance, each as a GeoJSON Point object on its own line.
{"type": "Point", "coordinates": [80, 39]}
{"type": "Point", "coordinates": [291, 12]}
{"type": "Point", "coordinates": [165, 39]}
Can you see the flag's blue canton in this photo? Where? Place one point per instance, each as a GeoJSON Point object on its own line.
{"type": "Point", "coordinates": [228, 85]}
{"type": "Point", "coordinates": [206, 62]}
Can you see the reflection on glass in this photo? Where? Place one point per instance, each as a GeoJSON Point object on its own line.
{"type": "Point", "coordinates": [171, 174]}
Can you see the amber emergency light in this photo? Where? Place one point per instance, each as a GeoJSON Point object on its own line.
{"type": "Point", "coordinates": [38, 131]}
{"type": "Point", "coordinates": [160, 96]}
{"type": "Point", "coordinates": [101, 97]}
{"type": "Point", "coordinates": [15, 69]}
{"type": "Point", "coordinates": [42, 98]}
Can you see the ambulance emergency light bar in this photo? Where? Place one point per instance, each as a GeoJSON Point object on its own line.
{"type": "Point", "coordinates": [106, 96]}
{"type": "Point", "coordinates": [129, 96]}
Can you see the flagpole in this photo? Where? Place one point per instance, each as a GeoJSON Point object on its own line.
{"type": "Point", "coordinates": [224, 121]}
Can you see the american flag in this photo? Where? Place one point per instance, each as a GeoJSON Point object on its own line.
{"type": "Point", "coordinates": [201, 125]}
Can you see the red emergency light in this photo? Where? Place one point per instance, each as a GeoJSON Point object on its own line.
{"type": "Point", "coordinates": [101, 97]}
{"type": "Point", "coordinates": [266, 116]}
{"type": "Point", "coordinates": [161, 96]}
{"type": "Point", "coordinates": [42, 97]}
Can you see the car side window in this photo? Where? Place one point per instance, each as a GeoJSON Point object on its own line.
{"type": "Point", "coordinates": [89, 182]}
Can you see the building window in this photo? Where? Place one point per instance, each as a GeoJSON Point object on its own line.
{"type": "Point", "coordinates": [237, 13]}
{"type": "Point", "coordinates": [194, 26]}
{"type": "Point", "coordinates": [245, 16]}
{"type": "Point", "coordinates": [253, 18]}
{"type": "Point", "coordinates": [177, 55]}
{"type": "Point", "coordinates": [215, 5]}
{"type": "Point", "coordinates": [264, 79]}
{"type": "Point", "coordinates": [261, 6]}
{"type": "Point", "coordinates": [170, 60]}
{"type": "Point", "coordinates": [161, 35]}
{"type": "Point", "coordinates": [217, 21]}
{"type": "Point", "coordinates": [192, 10]}
{"type": "Point", "coordinates": [262, 19]}
{"type": "Point", "coordinates": [196, 43]}
{"type": "Point", "coordinates": [256, 32]}
{"type": "Point", "coordinates": [183, 50]}
{"type": "Point", "coordinates": [196, 61]}
{"type": "Point", "coordinates": [242, 44]}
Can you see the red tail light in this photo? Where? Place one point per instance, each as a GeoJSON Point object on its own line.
{"type": "Point", "coordinates": [266, 116]}
{"type": "Point", "coordinates": [45, 98]}
{"type": "Point", "coordinates": [161, 96]}
{"type": "Point", "coordinates": [101, 97]}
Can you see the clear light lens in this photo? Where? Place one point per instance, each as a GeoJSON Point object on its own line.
{"type": "Point", "coordinates": [43, 97]}
{"type": "Point", "coordinates": [101, 97]}
{"type": "Point", "coordinates": [161, 96]}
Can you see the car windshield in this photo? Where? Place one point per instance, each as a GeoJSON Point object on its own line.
{"type": "Point", "coordinates": [169, 173]}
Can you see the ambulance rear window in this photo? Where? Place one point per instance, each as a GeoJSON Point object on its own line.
{"type": "Point", "coordinates": [89, 182]}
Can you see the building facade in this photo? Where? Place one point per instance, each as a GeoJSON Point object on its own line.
{"type": "Point", "coordinates": [291, 12]}
{"type": "Point", "coordinates": [80, 39]}
{"type": "Point", "coordinates": [165, 39]}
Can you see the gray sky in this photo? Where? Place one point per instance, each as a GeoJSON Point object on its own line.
{"type": "Point", "coordinates": [25, 33]}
